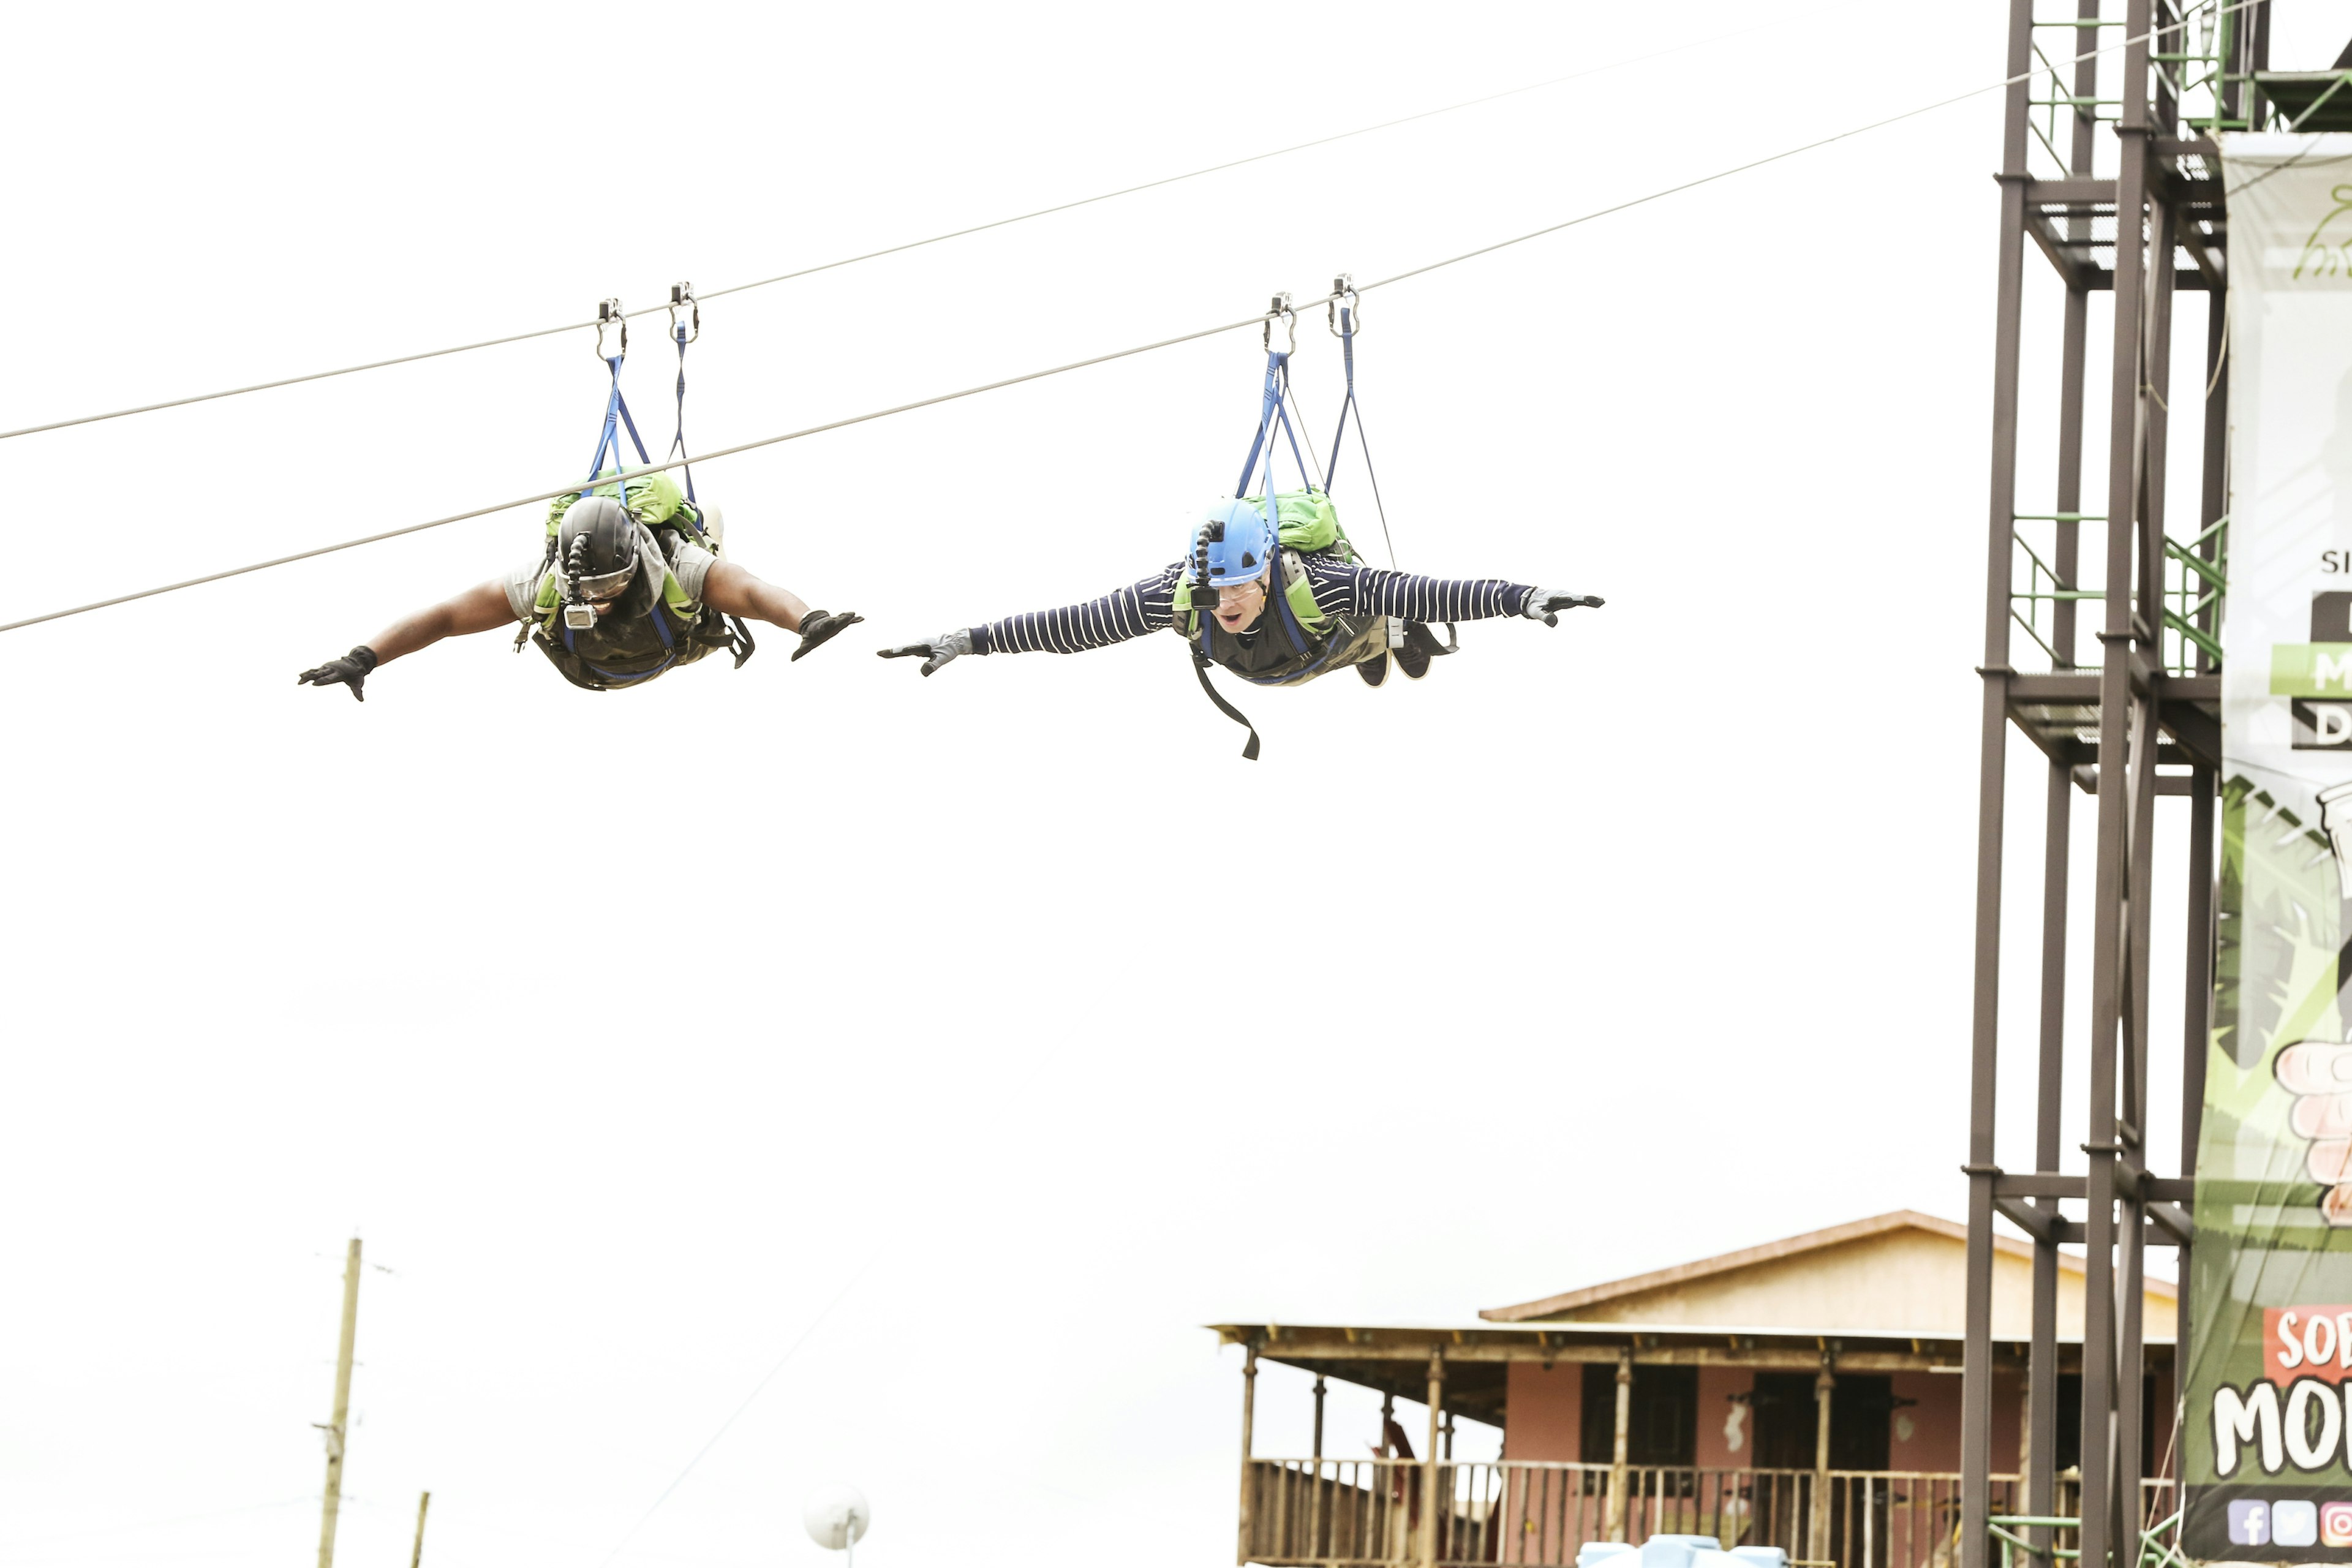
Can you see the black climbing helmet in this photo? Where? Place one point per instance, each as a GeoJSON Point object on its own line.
{"type": "Point", "coordinates": [597, 547]}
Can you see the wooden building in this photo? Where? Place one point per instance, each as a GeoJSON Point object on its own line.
{"type": "Point", "coordinates": [1803, 1393]}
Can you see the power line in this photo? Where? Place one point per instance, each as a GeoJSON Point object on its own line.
{"type": "Point", "coordinates": [1016, 1094]}
{"type": "Point", "coordinates": [757, 1389]}
{"type": "Point", "coordinates": [887, 250]}
{"type": "Point", "coordinates": [574, 488]}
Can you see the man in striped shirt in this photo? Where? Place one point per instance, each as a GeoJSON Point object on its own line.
{"type": "Point", "coordinates": [1234, 551]}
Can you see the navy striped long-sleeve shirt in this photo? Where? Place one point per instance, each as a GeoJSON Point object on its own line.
{"type": "Point", "coordinates": [1340, 589]}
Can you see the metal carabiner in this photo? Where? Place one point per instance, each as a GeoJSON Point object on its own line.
{"type": "Point", "coordinates": [1279, 310]}
{"type": "Point", "coordinates": [1343, 286]}
{"type": "Point", "coordinates": [683, 294]}
{"type": "Point", "coordinates": [608, 313]}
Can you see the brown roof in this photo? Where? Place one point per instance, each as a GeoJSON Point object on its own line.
{"type": "Point", "coordinates": [1811, 1241]}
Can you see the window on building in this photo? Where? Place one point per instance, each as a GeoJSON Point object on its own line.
{"type": "Point", "coordinates": [1662, 1419]}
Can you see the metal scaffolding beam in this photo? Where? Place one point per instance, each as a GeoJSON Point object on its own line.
{"type": "Point", "coordinates": [2145, 228]}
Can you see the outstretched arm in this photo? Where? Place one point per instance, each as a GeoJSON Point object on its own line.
{"type": "Point", "coordinates": [477, 609]}
{"type": "Point", "coordinates": [1136, 610]}
{"type": "Point", "coordinates": [731, 591]}
{"type": "Point", "coordinates": [1368, 591]}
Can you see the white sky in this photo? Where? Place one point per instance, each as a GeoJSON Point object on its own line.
{"type": "Point", "coordinates": [1608, 946]}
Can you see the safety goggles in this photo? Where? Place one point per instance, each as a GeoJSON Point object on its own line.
{"type": "Point", "coordinates": [605, 586]}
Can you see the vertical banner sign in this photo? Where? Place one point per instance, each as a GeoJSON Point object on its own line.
{"type": "Point", "coordinates": [2269, 1354]}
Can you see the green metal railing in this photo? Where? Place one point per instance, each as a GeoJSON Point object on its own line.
{"type": "Point", "coordinates": [2192, 48]}
{"type": "Point", "coordinates": [2154, 1550]}
{"type": "Point", "coordinates": [2194, 589]}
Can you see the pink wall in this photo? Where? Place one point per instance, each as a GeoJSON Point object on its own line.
{"type": "Point", "coordinates": [1934, 1423]}
{"type": "Point", "coordinates": [1545, 1414]}
{"type": "Point", "coordinates": [1716, 1428]}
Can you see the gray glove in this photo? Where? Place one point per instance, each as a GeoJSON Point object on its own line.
{"type": "Point", "coordinates": [1545, 603]}
{"type": "Point", "coordinates": [936, 652]}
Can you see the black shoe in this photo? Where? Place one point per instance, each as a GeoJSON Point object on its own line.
{"type": "Point", "coordinates": [1374, 670]}
{"type": "Point", "coordinates": [1417, 634]}
{"type": "Point", "coordinates": [1413, 661]}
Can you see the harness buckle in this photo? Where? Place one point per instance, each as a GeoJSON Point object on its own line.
{"type": "Point", "coordinates": [682, 295]}
{"type": "Point", "coordinates": [1343, 287]}
{"type": "Point", "coordinates": [609, 313]}
{"type": "Point", "coordinates": [1280, 311]}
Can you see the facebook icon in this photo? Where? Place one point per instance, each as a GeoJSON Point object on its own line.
{"type": "Point", "coordinates": [2250, 1522]}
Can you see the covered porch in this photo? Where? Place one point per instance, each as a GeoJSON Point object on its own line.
{"type": "Point", "coordinates": [1838, 1448]}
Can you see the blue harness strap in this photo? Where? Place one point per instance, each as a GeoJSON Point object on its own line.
{"type": "Point", "coordinates": [616, 418]}
{"type": "Point", "coordinates": [1273, 410]}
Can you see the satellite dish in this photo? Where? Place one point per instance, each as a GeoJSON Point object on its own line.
{"type": "Point", "coordinates": [837, 1517]}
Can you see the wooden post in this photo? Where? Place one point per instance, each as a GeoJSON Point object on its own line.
{"type": "Point", "coordinates": [1616, 1515]}
{"type": "Point", "coordinates": [2025, 1436]}
{"type": "Point", "coordinates": [1318, 1417]}
{"type": "Point", "coordinates": [1249, 1421]}
{"type": "Point", "coordinates": [1431, 1537]}
{"type": "Point", "coordinates": [1449, 1436]}
{"type": "Point", "coordinates": [1818, 1546]}
{"type": "Point", "coordinates": [336, 1428]}
{"type": "Point", "coordinates": [417, 1552]}
{"type": "Point", "coordinates": [1391, 1494]}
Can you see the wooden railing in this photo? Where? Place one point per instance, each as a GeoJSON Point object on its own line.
{"type": "Point", "coordinates": [1355, 1513]}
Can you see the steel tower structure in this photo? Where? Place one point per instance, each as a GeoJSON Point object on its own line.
{"type": "Point", "coordinates": [2109, 169]}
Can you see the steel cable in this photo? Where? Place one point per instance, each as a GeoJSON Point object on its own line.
{"type": "Point", "coordinates": [573, 487]}
{"type": "Point", "coordinates": [887, 250]}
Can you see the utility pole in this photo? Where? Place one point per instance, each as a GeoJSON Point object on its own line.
{"type": "Point", "coordinates": [336, 1428]}
{"type": "Point", "coordinates": [416, 1556]}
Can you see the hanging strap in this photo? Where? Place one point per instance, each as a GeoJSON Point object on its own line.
{"type": "Point", "coordinates": [1342, 288]}
{"type": "Point", "coordinates": [1347, 358]}
{"type": "Point", "coordinates": [1272, 411]}
{"type": "Point", "coordinates": [1272, 407]}
{"type": "Point", "coordinates": [616, 418]}
{"type": "Point", "coordinates": [1201, 673]}
{"type": "Point", "coordinates": [617, 408]}
{"type": "Point", "coordinates": [683, 294]}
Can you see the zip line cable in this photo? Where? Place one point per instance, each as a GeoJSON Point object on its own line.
{"type": "Point", "coordinates": [887, 250]}
{"type": "Point", "coordinates": [574, 488]}
{"type": "Point", "coordinates": [1789, 153]}
{"type": "Point", "coordinates": [1262, 318]}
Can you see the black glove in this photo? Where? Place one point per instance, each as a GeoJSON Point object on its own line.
{"type": "Point", "coordinates": [1545, 603]}
{"type": "Point", "coordinates": [936, 652]}
{"type": "Point", "coordinates": [821, 627]}
{"type": "Point", "coordinates": [349, 670]}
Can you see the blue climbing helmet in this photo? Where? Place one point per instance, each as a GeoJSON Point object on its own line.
{"type": "Point", "coordinates": [1232, 546]}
